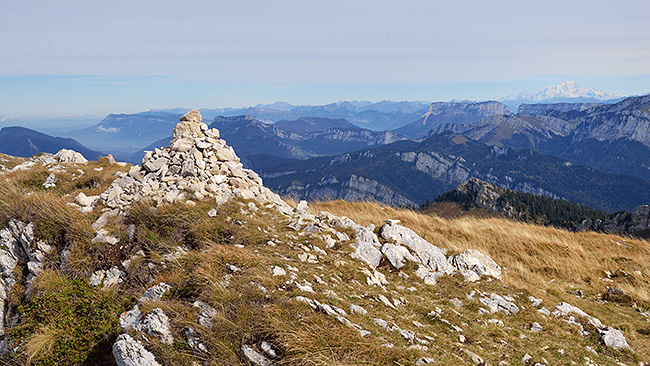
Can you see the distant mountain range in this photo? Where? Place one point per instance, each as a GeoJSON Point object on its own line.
{"type": "Point", "coordinates": [299, 139]}
{"type": "Point", "coordinates": [566, 92]}
{"type": "Point", "coordinates": [452, 112]}
{"type": "Point", "coordinates": [23, 142]}
{"type": "Point", "coordinates": [380, 116]}
{"type": "Point", "coordinates": [411, 172]}
{"type": "Point", "coordinates": [611, 137]}
{"type": "Point", "coordinates": [125, 134]}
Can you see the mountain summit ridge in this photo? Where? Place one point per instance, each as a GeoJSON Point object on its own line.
{"type": "Point", "coordinates": [567, 89]}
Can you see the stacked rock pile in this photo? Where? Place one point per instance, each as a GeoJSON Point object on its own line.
{"type": "Point", "coordinates": [195, 166]}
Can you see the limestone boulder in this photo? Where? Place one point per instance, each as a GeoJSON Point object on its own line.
{"type": "Point", "coordinates": [427, 254]}
{"type": "Point", "coordinates": [473, 265]}
{"type": "Point", "coordinates": [70, 156]}
{"type": "Point", "coordinates": [613, 338]}
{"type": "Point", "coordinates": [129, 352]}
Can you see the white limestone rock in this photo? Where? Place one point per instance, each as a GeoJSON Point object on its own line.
{"type": "Point", "coordinates": [114, 277]}
{"type": "Point", "coordinates": [472, 264]}
{"type": "Point", "coordinates": [429, 255]}
{"type": "Point", "coordinates": [155, 293]}
{"type": "Point", "coordinates": [129, 352]}
{"type": "Point", "coordinates": [102, 236]}
{"type": "Point", "coordinates": [84, 200]}
{"type": "Point", "coordinates": [496, 303]}
{"type": "Point", "coordinates": [156, 324]}
{"type": "Point", "coordinates": [250, 355]}
{"type": "Point", "coordinates": [397, 255]}
{"type": "Point", "coordinates": [356, 309]}
{"type": "Point", "coordinates": [70, 156]}
{"type": "Point", "coordinates": [278, 271]}
{"type": "Point", "coordinates": [130, 319]}
{"type": "Point", "coordinates": [206, 314]}
{"type": "Point", "coordinates": [50, 181]}
{"type": "Point", "coordinates": [366, 252]}
{"type": "Point", "coordinates": [613, 338]}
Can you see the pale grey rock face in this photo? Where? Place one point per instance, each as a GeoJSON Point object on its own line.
{"type": "Point", "coordinates": [70, 156]}
{"type": "Point", "coordinates": [397, 255]}
{"type": "Point", "coordinates": [19, 246]}
{"type": "Point", "coordinates": [366, 245]}
{"type": "Point", "coordinates": [497, 303]}
{"type": "Point", "coordinates": [472, 264]}
{"type": "Point", "coordinates": [129, 352]}
{"type": "Point", "coordinates": [130, 319]}
{"type": "Point", "coordinates": [425, 361]}
{"type": "Point", "coordinates": [250, 355]}
{"type": "Point", "coordinates": [613, 338]}
{"type": "Point", "coordinates": [278, 271]}
{"type": "Point", "coordinates": [366, 252]}
{"type": "Point", "coordinates": [156, 324]}
{"type": "Point", "coordinates": [155, 293]}
{"type": "Point", "coordinates": [192, 116]}
{"type": "Point", "coordinates": [628, 119]}
{"type": "Point", "coordinates": [206, 314]}
{"type": "Point", "coordinates": [194, 341]}
{"type": "Point", "coordinates": [113, 277]}
{"type": "Point", "coordinates": [102, 236]}
{"type": "Point", "coordinates": [302, 207]}
{"type": "Point", "coordinates": [535, 301]}
{"type": "Point", "coordinates": [623, 222]}
{"type": "Point", "coordinates": [97, 277]}
{"type": "Point", "coordinates": [429, 255]}
{"type": "Point", "coordinates": [268, 349]}
{"type": "Point", "coordinates": [50, 181]}
{"type": "Point", "coordinates": [356, 309]}
{"type": "Point", "coordinates": [84, 200]}
{"type": "Point", "coordinates": [567, 310]}
{"type": "Point", "coordinates": [358, 188]}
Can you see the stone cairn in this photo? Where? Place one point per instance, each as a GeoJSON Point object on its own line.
{"type": "Point", "coordinates": [197, 165]}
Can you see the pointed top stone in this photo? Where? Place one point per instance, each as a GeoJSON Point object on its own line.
{"type": "Point", "coordinates": [189, 126]}
{"type": "Point", "coordinates": [192, 116]}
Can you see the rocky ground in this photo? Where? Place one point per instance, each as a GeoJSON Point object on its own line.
{"type": "Point", "coordinates": [187, 259]}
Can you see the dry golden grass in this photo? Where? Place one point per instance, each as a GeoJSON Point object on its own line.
{"type": "Point", "coordinates": [40, 343]}
{"type": "Point", "coordinates": [545, 262]}
{"type": "Point", "coordinates": [531, 255]}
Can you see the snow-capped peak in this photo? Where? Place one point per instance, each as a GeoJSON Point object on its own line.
{"type": "Point", "coordinates": [566, 90]}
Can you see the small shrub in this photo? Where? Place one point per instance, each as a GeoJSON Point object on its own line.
{"type": "Point", "coordinates": [68, 322]}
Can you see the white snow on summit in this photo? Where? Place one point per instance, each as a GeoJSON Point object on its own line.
{"type": "Point", "coordinates": [566, 90]}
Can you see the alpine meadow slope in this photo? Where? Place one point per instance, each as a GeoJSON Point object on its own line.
{"type": "Point", "coordinates": [188, 259]}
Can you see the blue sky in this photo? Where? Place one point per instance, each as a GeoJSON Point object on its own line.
{"type": "Point", "coordinates": [71, 57]}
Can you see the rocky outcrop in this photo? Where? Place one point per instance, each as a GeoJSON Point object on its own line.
{"type": "Point", "coordinates": [486, 195]}
{"type": "Point", "coordinates": [430, 257]}
{"type": "Point", "coordinates": [608, 336]}
{"type": "Point", "coordinates": [518, 132]}
{"type": "Point", "coordinates": [18, 248]}
{"type": "Point", "coordinates": [636, 222]}
{"type": "Point", "coordinates": [70, 156]}
{"type": "Point", "coordinates": [452, 112]}
{"type": "Point", "coordinates": [613, 338]}
{"type": "Point", "coordinates": [628, 119]}
{"type": "Point", "coordinates": [353, 188]}
{"type": "Point", "coordinates": [473, 265]}
{"type": "Point", "coordinates": [542, 108]}
{"type": "Point", "coordinates": [129, 352]}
